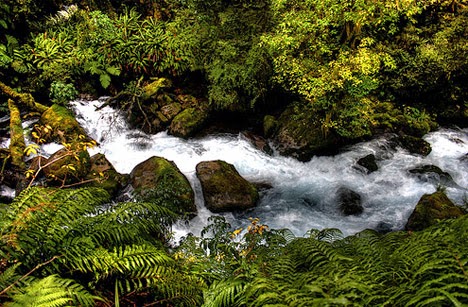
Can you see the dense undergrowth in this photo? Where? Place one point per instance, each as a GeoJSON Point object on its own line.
{"type": "Point", "coordinates": [360, 65]}
{"type": "Point", "coordinates": [62, 247]}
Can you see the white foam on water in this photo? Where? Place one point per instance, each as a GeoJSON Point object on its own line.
{"type": "Point", "coordinates": [302, 195]}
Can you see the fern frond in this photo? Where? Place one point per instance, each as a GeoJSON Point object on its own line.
{"type": "Point", "coordinates": [53, 291]}
{"type": "Point", "coordinates": [225, 293]}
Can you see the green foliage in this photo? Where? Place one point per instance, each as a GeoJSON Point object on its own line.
{"type": "Point", "coordinates": [262, 267]}
{"type": "Point", "coordinates": [61, 93]}
{"type": "Point", "coordinates": [227, 34]}
{"type": "Point", "coordinates": [115, 251]}
{"type": "Point", "coordinates": [52, 291]}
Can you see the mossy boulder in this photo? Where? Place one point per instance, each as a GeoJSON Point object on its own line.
{"type": "Point", "coordinates": [270, 125]}
{"type": "Point", "coordinates": [154, 88]}
{"type": "Point", "coordinates": [65, 128]}
{"type": "Point", "coordinates": [223, 188]}
{"type": "Point", "coordinates": [103, 174]}
{"type": "Point", "coordinates": [67, 166]}
{"type": "Point", "coordinates": [300, 135]}
{"type": "Point", "coordinates": [431, 209]}
{"type": "Point", "coordinates": [188, 122]}
{"type": "Point", "coordinates": [171, 110]}
{"type": "Point", "coordinates": [415, 145]}
{"type": "Point", "coordinates": [159, 180]}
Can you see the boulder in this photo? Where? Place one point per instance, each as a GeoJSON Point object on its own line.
{"type": "Point", "coordinates": [223, 188]}
{"type": "Point", "coordinates": [154, 88]}
{"type": "Point", "coordinates": [258, 142]}
{"type": "Point", "coordinates": [67, 166]}
{"type": "Point", "coordinates": [300, 135]}
{"type": "Point", "coordinates": [430, 209]}
{"type": "Point", "coordinates": [349, 201]}
{"type": "Point", "coordinates": [103, 174]}
{"type": "Point", "coordinates": [415, 145]}
{"type": "Point", "coordinates": [368, 163]}
{"type": "Point", "coordinates": [65, 128]}
{"type": "Point", "coordinates": [433, 174]}
{"type": "Point", "coordinates": [188, 122]}
{"type": "Point", "coordinates": [159, 180]}
{"type": "Point", "coordinates": [171, 110]}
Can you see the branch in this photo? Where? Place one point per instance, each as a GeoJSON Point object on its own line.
{"type": "Point", "coordinates": [29, 273]}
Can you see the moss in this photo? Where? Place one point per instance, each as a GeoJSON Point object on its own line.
{"type": "Point", "coordinates": [301, 135]}
{"type": "Point", "coordinates": [17, 143]}
{"type": "Point", "coordinates": [159, 180]}
{"type": "Point", "coordinates": [432, 208]}
{"type": "Point", "coordinates": [65, 126]}
{"type": "Point", "coordinates": [154, 87]}
{"type": "Point", "coordinates": [269, 125]}
{"type": "Point", "coordinates": [69, 167]}
{"type": "Point", "coordinates": [103, 174]}
{"type": "Point", "coordinates": [187, 123]}
{"type": "Point", "coordinates": [224, 189]}
{"type": "Point", "coordinates": [25, 98]}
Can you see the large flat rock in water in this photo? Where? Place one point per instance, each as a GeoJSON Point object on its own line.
{"type": "Point", "coordinates": [223, 188]}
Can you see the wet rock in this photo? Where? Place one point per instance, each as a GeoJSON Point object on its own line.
{"type": "Point", "coordinates": [415, 145]}
{"type": "Point", "coordinates": [349, 201]}
{"type": "Point", "coordinates": [430, 209]}
{"type": "Point", "coordinates": [159, 180]}
{"type": "Point", "coordinates": [300, 135]}
{"type": "Point", "coordinates": [368, 163]}
{"type": "Point", "coordinates": [103, 174]}
{"type": "Point", "coordinates": [258, 142]}
{"type": "Point", "coordinates": [188, 122]}
{"type": "Point", "coordinates": [383, 227]}
{"type": "Point", "coordinates": [223, 188]}
{"type": "Point", "coordinates": [434, 175]}
{"type": "Point", "coordinates": [171, 110]}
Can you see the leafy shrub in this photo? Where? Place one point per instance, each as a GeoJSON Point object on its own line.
{"type": "Point", "coordinates": [61, 93]}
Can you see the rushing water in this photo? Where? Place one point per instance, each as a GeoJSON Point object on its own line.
{"type": "Point", "coordinates": [302, 195]}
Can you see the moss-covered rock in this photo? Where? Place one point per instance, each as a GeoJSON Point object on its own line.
{"type": "Point", "coordinates": [171, 110]}
{"type": "Point", "coordinates": [432, 208]}
{"type": "Point", "coordinates": [188, 122]}
{"type": "Point", "coordinates": [223, 188]}
{"type": "Point", "coordinates": [65, 128]}
{"type": "Point", "coordinates": [67, 166]}
{"type": "Point", "coordinates": [415, 145]}
{"type": "Point", "coordinates": [270, 125]}
{"type": "Point", "coordinates": [300, 134]}
{"type": "Point", "coordinates": [159, 180]}
{"type": "Point", "coordinates": [154, 88]}
{"type": "Point", "coordinates": [103, 174]}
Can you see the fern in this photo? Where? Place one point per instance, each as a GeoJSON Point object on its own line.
{"type": "Point", "coordinates": [99, 244]}
{"type": "Point", "coordinates": [53, 291]}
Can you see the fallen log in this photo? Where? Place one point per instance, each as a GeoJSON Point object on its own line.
{"type": "Point", "coordinates": [17, 143]}
{"type": "Point", "coordinates": [25, 98]}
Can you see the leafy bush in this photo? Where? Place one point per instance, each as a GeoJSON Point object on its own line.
{"type": "Point", "coordinates": [61, 93]}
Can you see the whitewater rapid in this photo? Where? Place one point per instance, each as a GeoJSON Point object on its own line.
{"type": "Point", "coordinates": [302, 195]}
